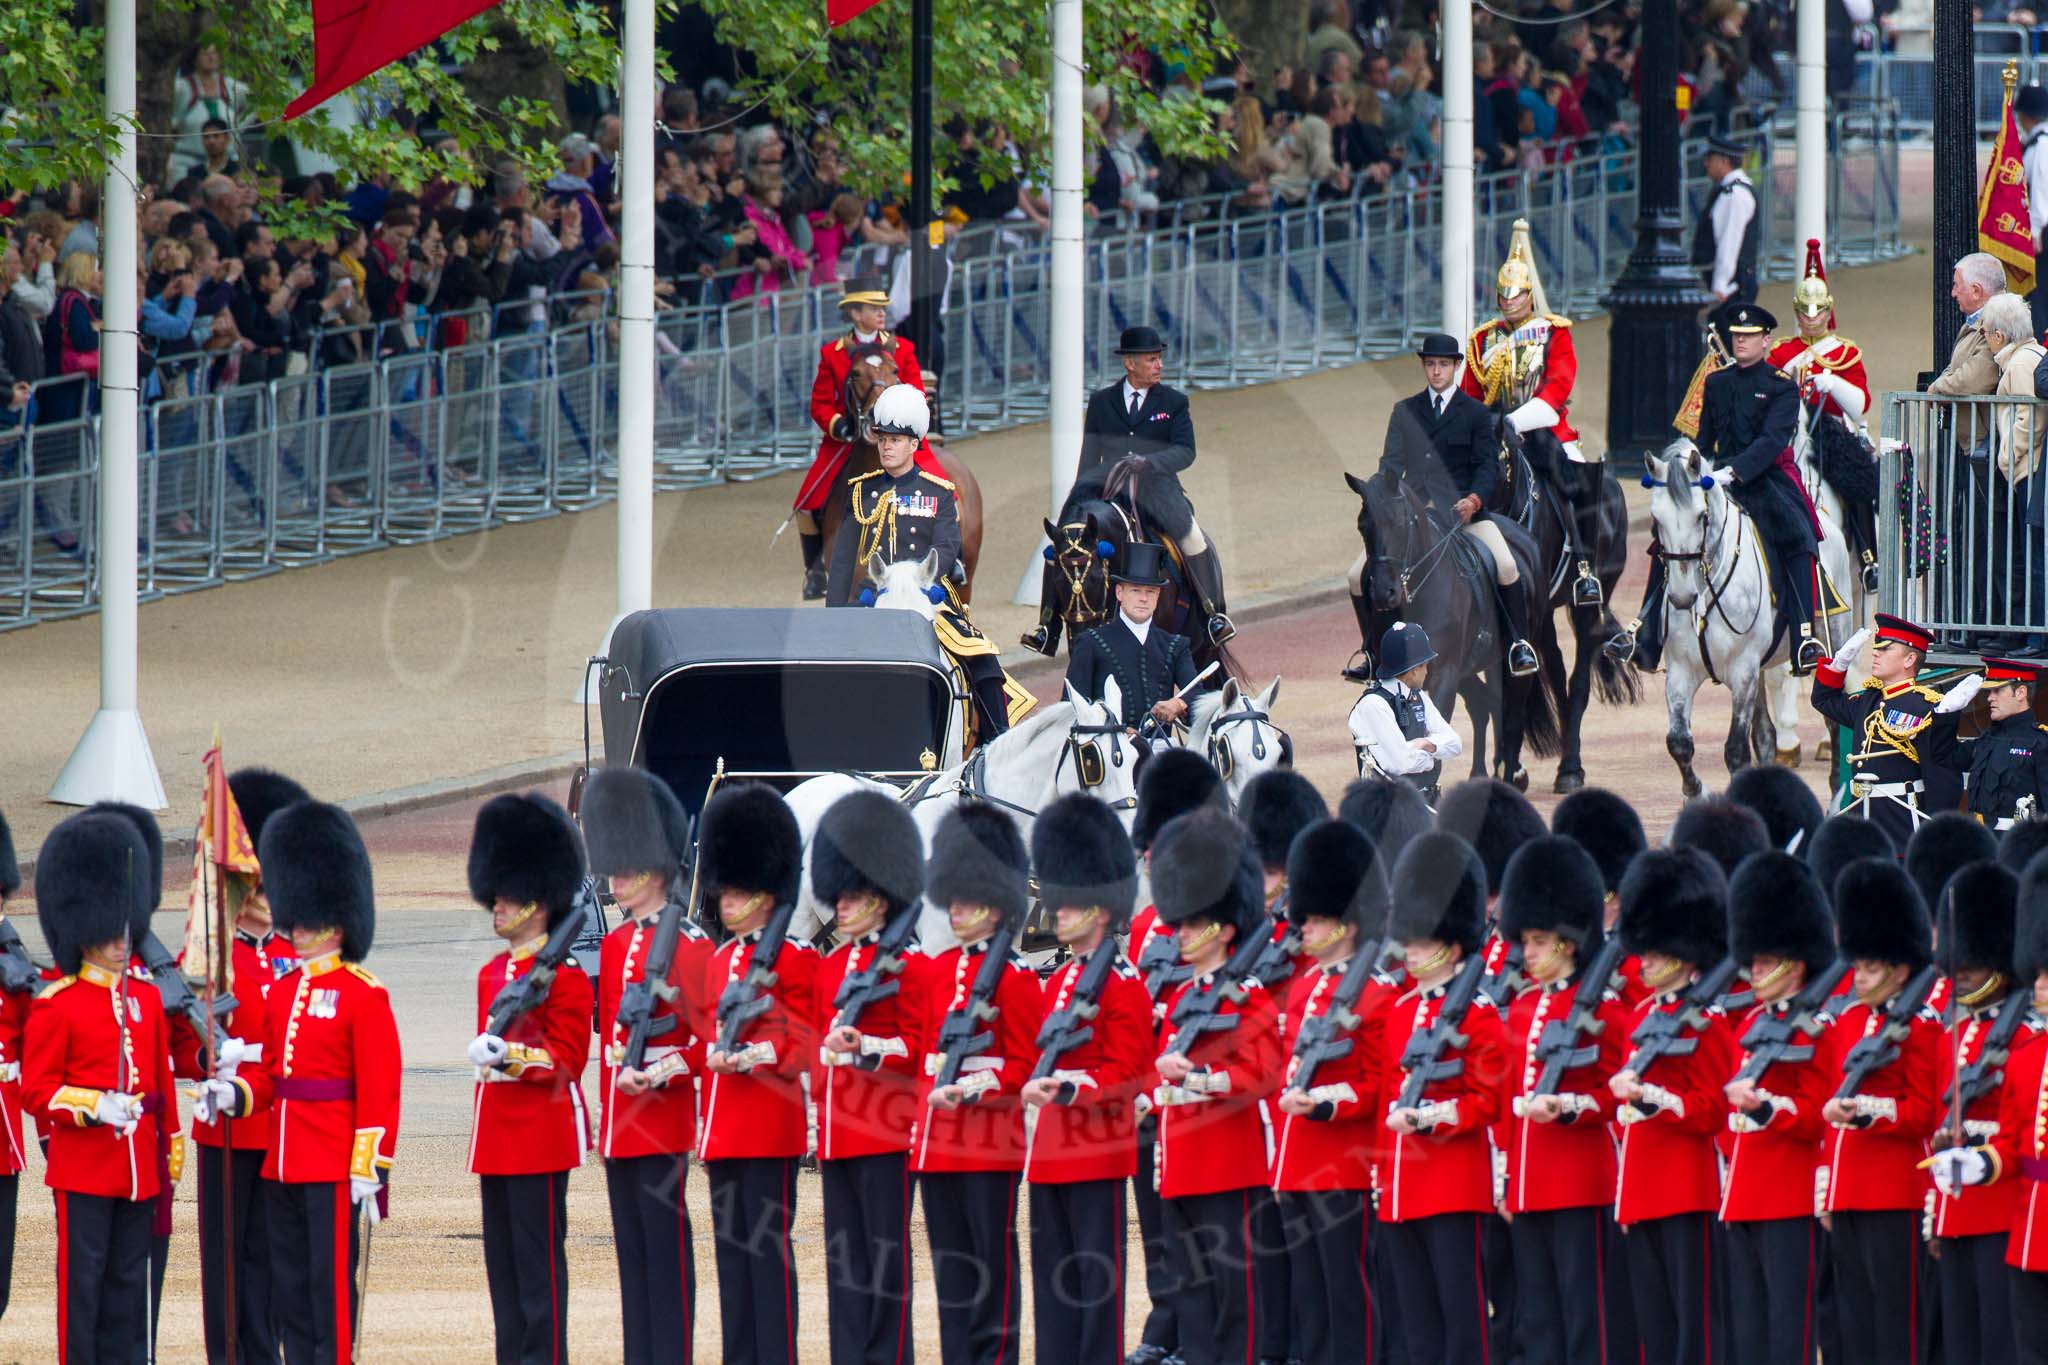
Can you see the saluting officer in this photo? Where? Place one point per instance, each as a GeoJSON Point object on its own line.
{"type": "Point", "coordinates": [1396, 729]}
{"type": "Point", "coordinates": [1149, 663]}
{"type": "Point", "coordinates": [2006, 765]}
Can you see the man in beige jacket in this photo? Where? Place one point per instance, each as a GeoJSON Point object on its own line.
{"type": "Point", "coordinates": [1972, 366]}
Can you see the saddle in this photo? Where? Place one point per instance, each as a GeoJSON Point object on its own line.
{"type": "Point", "coordinates": [1475, 565]}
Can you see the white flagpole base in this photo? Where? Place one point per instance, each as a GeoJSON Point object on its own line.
{"type": "Point", "coordinates": [587, 688]}
{"type": "Point", "coordinates": [111, 763]}
{"type": "Point", "coordinates": [1031, 587]}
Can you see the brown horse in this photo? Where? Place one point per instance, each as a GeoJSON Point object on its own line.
{"type": "Point", "coordinates": [873, 370]}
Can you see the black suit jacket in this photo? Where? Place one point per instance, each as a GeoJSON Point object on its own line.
{"type": "Point", "coordinates": [1445, 457]}
{"type": "Point", "coordinates": [1163, 432]}
{"type": "Point", "coordinates": [1146, 674]}
{"type": "Point", "coordinates": [1747, 417]}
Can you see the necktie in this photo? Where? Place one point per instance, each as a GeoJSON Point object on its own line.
{"type": "Point", "coordinates": [1436, 400]}
{"type": "Point", "coordinates": [1137, 400]}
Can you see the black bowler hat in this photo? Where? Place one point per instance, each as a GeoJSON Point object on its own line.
{"type": "Point", "coordinates": [2030, 101]}
{"type": "Point", "coordinates": [1728, 147]}
{"type": "Point", "coordinates": [1140, 341]}
{"type": "Point", "coordinates": [1144, 565]}
{"type": "Point", "coordinates": [1439, 346]}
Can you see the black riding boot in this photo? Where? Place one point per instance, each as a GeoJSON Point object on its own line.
{"type": "Point", "coordinates": [813, 543]}
{"type": "Point", "coordinates": [1587, 480]}
{"type": "Point", "coordinates": [1642, 642]}
{"type": "Point", "coordinates": [1045, 638]}
{"type": "Point", "coordinates": [1205, 574]}
{"type": "Point", "coordinates": [1807, 653]}
{"type": "Point", "coordinates": [1361, 672]}
{"type": "Point", "coordinates": [1514, 604]}
{"type": "Point", "coordinates": [1862, 528]}
{"type": "Point", "coordinates": [994, 704]}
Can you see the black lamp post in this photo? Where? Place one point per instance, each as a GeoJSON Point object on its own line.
{"type": "Point", "coordinates": [1955, 163]}
{"type": "Point", "coordinates": [923, 307]}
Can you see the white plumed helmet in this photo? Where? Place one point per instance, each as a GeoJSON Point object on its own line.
{"type": "Point", "coordinates": [902, 411]}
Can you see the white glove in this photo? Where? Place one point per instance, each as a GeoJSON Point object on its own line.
{"type": "Point", "coordinates": [1851, 647]}
{"type": "Point", "coordinates": [1960, 1166]}
{"type": "Point", "coordinates": [233, 1053]}
{"type": "Point", "coordinates": [215, 1097]}
{"type": "Point", "coordinates": [118, 1111]}
{"type": "Point", "coordinates": [487, 1049]}
{"type": "Point", "coordinates": [364, 1192]}
{"type": "Point", "coordinates": [1960, 696]}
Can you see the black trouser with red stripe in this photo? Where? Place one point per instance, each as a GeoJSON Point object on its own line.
{"type": "Point", "coordinates": [1162, 1326]}
{"type": "Point", "coordinates": [526, 1264]}
{"type": "Point", "coordinates": [1439, 1271]}
{"type": "Point", "coordinates": [103, 1279]}
{"type": "Point", "coordinates": [867, 1258]}
{"type": "Point", "coordinates": [1561, 1286]}
{"type": "Point", "coordinates": [10, 1190]}
{"type": "Point", "coordinates": [1773, 1280]}
{"type": "Point", "coordinates": [255, 1332]}
{"type": "Point", "coordinates": [1976, 1300]}
{"type": "Point", "coordinates": [1272, 1280]}
{"type": "Point", "coordinates": [970, 1218]}
{"type": "Point", "coordinates": [1208, 1237]}
{"type": "Point", "coordinates": [314, 1242]}
{"type": "Point", "coordinates": [2029, 1292]}
{"type": "Point", "coordinates": [1671, 1275]}
{"type": "Point", "coordinates": [657, 1271]}
{"type": "Point", "coordinates": [1332, 1307]}
{"type": "Point", "coordinates": [1078, 1233]}
{"type": "Point", "coordinates": [753, 1204]}
{"type": "Point", "coordinates": [1881, 1282]}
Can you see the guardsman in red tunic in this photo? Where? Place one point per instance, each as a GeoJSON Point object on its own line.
{"type": "Point", "coordinates": [1212, 1138]}
{"type": "Point", "coordinates": [20, 982]}
{"type": "Point", "coordinates": [1436, 1178]}
{"type": "Point", "coordinates": [327, 1074]}
{"type": "Point", "coordinates": [1083, 1148]}
{"type": "Point", "coordinates": [752, 1132]}
{"type": "Point", "coordinates": [638, 836]}
{"type": "Point", "coordinates": [968, 1149]}
{"type": "Point", "coordinates": [1781, 931]}
{"type": "Point", "coordinates": [2016, 1154]}
{"type": "Point", "coordinates": [1328, 1127]}
{"type": "Point", "coordinates": [529, 1128]}
{"type": "Point", "coordinates": [97, 1072]}
{"type": "Point", "coordinates": [1607, 827]}
{"type": "Point", "coordinates": [1674, 916]}
{"type": "Point", "coordinates": [1833, 388]}
{"type": "Point", "coordinates": [1560, 1152]}
{"type": "Point", "coordinates": [1174, 781]}
{"type": "Point", "coordinates": [1969, 1226]}
{"type": "Point", "coordinates": [867, 863]}
{"type": "Point", "coordinates": [1878, 1138]}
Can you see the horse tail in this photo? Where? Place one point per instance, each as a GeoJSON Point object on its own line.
{"type": "Point", "coordinates": [1619, 684]}
{"type": "Point", "coordinates": [1540, 728]}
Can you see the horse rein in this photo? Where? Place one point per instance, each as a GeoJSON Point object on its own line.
{"type": "Point", "coordinates": [1221, 756]}
{"type": "Point", "coordinates": [1713, 592]}
{"type": "Point", "coordinates": [973, 780]}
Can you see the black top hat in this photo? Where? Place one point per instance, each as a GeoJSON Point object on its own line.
{"type": "Point", "coordinates": [1439, 346]}
{"type": "Point", "coordinates": [1140, 341]}
{"type": "Point", "coordinates": [1143, 566]}
{"type": "Point", "coordinates": [2030, 101]}
{"type": "Point", "coordinates": [1404, 646]}
{"type": "Point", "coordinates": [1728, 147]}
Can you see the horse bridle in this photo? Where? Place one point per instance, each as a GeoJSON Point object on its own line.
{"type": "Point", "coordinates": [1224, 759]}
{"type": "Point", "coordinates": [1709, 589]}
{"type": "Point", "coordinates": [1079, 606]}
{"type": "Point", "coordinates": [1414, 575]}
{"type": "Point", "coordinates": [1089, 764]}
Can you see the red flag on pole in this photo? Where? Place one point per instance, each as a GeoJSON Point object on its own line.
{"type": "Point", "coordinates": [838, 12]}
{"type": "Point", "coordinates": [352, 38]}
{"type": "Point", "coordinates": [2004, 227]}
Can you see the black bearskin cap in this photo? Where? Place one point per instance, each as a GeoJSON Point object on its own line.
{"type": "Point", "coordinates": [1776, 907]}
{"type": "Point", "coordinates": [1841, 840]}
{"type": "Point", "coordinates": [2020, 843]}
{"type": "Point", "coordinates": [2030, 921]}
{"type": "Point", "coordinates": [1439, 893]}
{"type": "Point", "coordinates": [1204, 867]}
{"type": "Point", "coordinates": [1782, 800]}
{"type": "Point", "coordinates": [1552, 883]}
{"type": "Point", "coordinates": [1493, 818]}
{"type": "Point", "coordinates": [1277, 805]}
{"type": "Point", "coordinates": [525, 850]}
{"type": "Point", "coordinates": [10, 867]}
{"type": "Point", "coordinates": [1942, 846]}
{"type": "Point", "coordinates": [1174, 782]}
{"type": "Point", "coordinates": [149, 877]}
{"type": "Point", "coordinates": [1390, 811]}
{"type": "Point", "coordinates": [1980, 930]}
{"type": "Point", "coordinates": [1083, 857]}
{"type": "Point", "coordinates": [259, 794]}
{"type": "Point", "coordinates": [866, 844]}
{"type": "Point", "coordinates": [1879, 916]}
{"type": "Point", "coordinates": [1674, 901]}
{"type": "Point", "coordinates": [748, 840]}
{"type": "Point", "coordinates": [632, 822]}
{"type": "Point", "coordinates": [316, 875]}
{"type": "Point", "coordinates": [978, 858]}
{"type": "Point", "coordinates": [1722, 830]}
{"type": "Point", "coordinates": [1605, 826]}
{"type": "Point", "coordinates": [85, 884]}
{"type": "Point", "coordinates": [1334, 871]}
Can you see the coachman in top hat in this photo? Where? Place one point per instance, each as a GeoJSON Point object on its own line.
{"type": "Point", "coordinates": [1149, 663]}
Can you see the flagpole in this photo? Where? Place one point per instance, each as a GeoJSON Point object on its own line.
{"type": "Point", "coordinates": [1810, 202]}
{"type": "Point", "coordinates": [920, 220]}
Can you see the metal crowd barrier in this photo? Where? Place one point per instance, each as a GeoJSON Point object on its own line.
{"type": "Point", "coordinates": [1960, 516]}
{"type": "Point", "coordinates": [405, 443]}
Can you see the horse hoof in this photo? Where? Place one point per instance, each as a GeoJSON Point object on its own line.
{"type": "Point", "coordinates": [1824, 751]}
{"type": "Point", "coordinates": [1692, 787]}
{"type": "Point", "coordinates": [1520, 780]}
{"type": "Point", "coordinates": [1789, 758]}
{"type": "Point", "coordinates": [1568, 782]}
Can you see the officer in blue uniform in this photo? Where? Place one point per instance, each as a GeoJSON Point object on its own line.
{"type": "Point", "coordinates": [2007, 763]}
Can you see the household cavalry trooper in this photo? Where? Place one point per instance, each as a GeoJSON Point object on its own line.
{"type": "Point", "coordinates": [867, 863]}
{"type": "Point", "coordinates": [1328, 1133]}
{"type": "Point", "coordinates": [327, 1072]}
{"type": "Point", "coordinates": [968, 1151]}
{"type": "Point", "coordinates": [638, 837]}
{"type": "Point", "coordinates": [1083, 1148]}
{"type": "Point", "coordinates": [530, 1129]}
{"type": "Point", "coordinates": [752, 1135]}
{"type": "Point", "coordinates": [15, 1001]}
{"type": "Point", "coordinates": [1900, 730]}
{"type": "Point", "coordinates": [1213, 1171]}
{"type": "Point", "coordinates": [2006, 766]}
{"type": "Point", "coordinates": [1522, 364]}
{"type": "Point", "coordinates": [96, 1074]}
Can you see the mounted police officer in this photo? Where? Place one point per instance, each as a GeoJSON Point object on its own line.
{"type": "Point", "coordinates": [2007, 764]}
{"type": "Point", "coordinates": [1149, 664]}
{"type": "Point", "coordinates": [1140, 417]}
{"type": "Point", "coordinates": [1395, 727]}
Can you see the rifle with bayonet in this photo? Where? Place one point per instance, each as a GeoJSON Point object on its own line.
{"type": "Point", "coordinates": [1275, 965]}
{"type": "Point", "coordinates": [19, 974]}
{"type": "Point", "coordinates": [1159, 963]}
{"type": "Point", "coordinates": [637, 1001]}
{"type": "Point", "coordinates": [752, 995]}
{"type": "Point", "coordinates": [1327, 1037]}
{"type": "Point", "coordinates": [1201, 1011]}
{"type": "Point", "coordinates": [1066, 1029]}
{"type": "Point", "coordinates": [1984, 1075]}
{"type": "Point", "coordinates": [1663, 1033]}
{"type": "Point", "coordinates": [1879, 1049]}
{"type": "Point", "coordinates": [962, 1035]}
{"type": "Point", "coordinates": [882, 977]}
{"type": "Point", "coordinates": [169, 980]}
{"type": "Point", "coordinates": [517, 999]}
{"type": "Point", "coordinates": [1572, 1041]}
{"type": "Point", "coordinates": [1790, 1036]}
{"type": "Point", "coordinates": [1507, 981]}
{"type": "Point", "coordinates": [1424, 1058]}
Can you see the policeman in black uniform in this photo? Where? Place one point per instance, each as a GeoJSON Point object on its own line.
{"type": "Point", "coordinates": [1149, 664]}
{"type": "Point", "coordinates": [1724, 241]}
{"type": "Point", "coordinates": [2007, 764]}
{"type": "Point", "coordinates": [1421, 741]}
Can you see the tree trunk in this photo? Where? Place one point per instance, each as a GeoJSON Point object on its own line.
{"type": "Point", "coordinates": [164, 35]}
{"type": "Point", "coordinates": [1271, 33]}
{"type": "Point", "coordinates": [516, 68]}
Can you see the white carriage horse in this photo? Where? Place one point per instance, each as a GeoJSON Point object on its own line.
{"type": "Point", "coordinates": [1720, 623]}
{"type": "Point", "coordinates": [1234, 730]}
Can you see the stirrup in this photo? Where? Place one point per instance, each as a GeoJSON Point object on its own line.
{"type": "Point", "coordinates": [1039, 640]}
{"type": "Point", "coordinates": [1521, 659]}
{"type": "Point", "coordinates": [1870, 577]}
{"type": "Point", "coordinates": [1359, 670]}
{"type": "Point", "coordinates": [1807, 656]}
{"type": "Point", "coordinates": [1586, 591]}
{"type": "Point", "coordinates": [1621, 646]}
{"type": "Point", "coordinates": [1220, 628]}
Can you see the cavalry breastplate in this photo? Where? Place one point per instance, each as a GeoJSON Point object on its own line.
{"type": "Point", "coordinates": [1511, 366]}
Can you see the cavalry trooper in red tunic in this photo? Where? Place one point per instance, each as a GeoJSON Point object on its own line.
{"type": "Point", "coordinates": [16, 998]}
{"type": "Point", "coordinates": [1522, 365]}
{"type": "Point", "coordinates": [865, 305]}
{"type": "Point", "coordinates": [639, 837]}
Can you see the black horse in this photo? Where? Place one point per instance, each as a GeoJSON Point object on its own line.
{"type": "Point", "coordinates": [1426, 573]}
